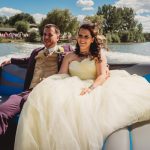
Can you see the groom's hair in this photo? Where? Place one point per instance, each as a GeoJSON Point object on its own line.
{"type": "Point", "coordinates": [57, 30]}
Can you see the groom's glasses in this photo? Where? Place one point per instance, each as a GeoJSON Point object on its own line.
{"type": "Point", "coordinates": [84, 36]}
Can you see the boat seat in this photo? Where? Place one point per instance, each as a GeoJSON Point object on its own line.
{"type": "Point", "coordinates": [136, 136]}
{"type": "Point", "coordinates": [118, 140]}
{"type": "Point", "coordinates": [3, 98]}
{"type": "Point", "coordinates": [12, 79]}
{"type": "Point", "coordinates": [141, 136]}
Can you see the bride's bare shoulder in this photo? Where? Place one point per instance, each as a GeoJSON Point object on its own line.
{"type": "Point", "coordinates": [71, 56]}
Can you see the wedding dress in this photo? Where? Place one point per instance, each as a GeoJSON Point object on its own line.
{"type": "Point", "coordinates": [57, 117]}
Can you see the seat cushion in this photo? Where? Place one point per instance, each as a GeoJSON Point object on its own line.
{"type": "Point", "coordinates": [3, 98]}
{"type": "Point", "coordinates": [11, 79]}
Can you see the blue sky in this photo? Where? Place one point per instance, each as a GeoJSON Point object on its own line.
{"type": "Point", "coordinates": [44, 6]}
{"type": "Point", "coordinates": [79, 8]}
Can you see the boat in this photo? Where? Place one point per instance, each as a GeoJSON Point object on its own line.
{"type": "Point", "coordinates": [134, 137]}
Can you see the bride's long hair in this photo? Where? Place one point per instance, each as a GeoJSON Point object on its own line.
{"type": "Point", "coordinates": [95, 46]}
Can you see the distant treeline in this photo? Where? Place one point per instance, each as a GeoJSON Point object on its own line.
{"type": "Point", "coordinates": [147, 36]}
{"type": "Point", "coordinates": [117, 24]}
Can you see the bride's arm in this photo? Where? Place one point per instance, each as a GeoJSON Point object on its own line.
{"type": "Point", "coordinates": [102, 72]}
{"type": "Point", "coordinates": [102, 75]}
{"type": "Point", "coordinates": [65, 64]}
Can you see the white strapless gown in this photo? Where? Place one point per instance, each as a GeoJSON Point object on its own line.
{"type": "Point", "coordinates": [56, 117]}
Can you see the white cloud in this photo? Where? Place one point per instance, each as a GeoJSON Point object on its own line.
{"type": "Point", "coordinates": [5, 11]}
{"type": "Point", "coordinates": [86, 5]}
{"type": "Point", "coordinates": [142, 10]}
{"type": "Point", "coordinates": [87, 8]}
{"type": "Point", "coordinates": [140, 6]}
{"type": "Point", "coordinates": [38, 17]}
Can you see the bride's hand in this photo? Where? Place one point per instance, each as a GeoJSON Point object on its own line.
{"type": "Point", "coordinates": [85, 90]}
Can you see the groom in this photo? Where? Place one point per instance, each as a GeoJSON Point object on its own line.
{"type": "Point", "coordinates": [42, 63]}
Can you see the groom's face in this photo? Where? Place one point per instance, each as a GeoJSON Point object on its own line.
{"type": "Point", "coordinates": [50, 37]}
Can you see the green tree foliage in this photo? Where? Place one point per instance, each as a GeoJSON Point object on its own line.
{"type": "Point", "coordinates": [21, 17]}
{"type": "Point", "coordinates": [115, 38]}
{"type": "Point", "coordinates": [22, 26]}
{"type": "Point", "coordinates": [121, 22]}
{"type": "Point", "coordinates": [139, 28]}
{"type": "Point", "coordinates": [147, 36]}
{"type": "Point", "coordinates": [33, 37]}
{"type": "Point", "coordinates": [131, 36]}
{"type": "Point", "coordinates": [112, 18]}
{"type": "Point", "coordinates": [108, 36]}
{"type": "Point", "coordinates": [3, 21]}
{"type": "Point", "coordinates": [117, 19]}
{"type": "Point", "coordinates": [129, 22]}
{"type": "Point", "coordinates": [97, 19]}
{"type": "Point", "coordinates": [124, 36]}
{"type": "Point", "coordinates": [63, 19]}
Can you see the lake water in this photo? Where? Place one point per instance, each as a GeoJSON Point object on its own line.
{"type": "Point", "coordinates": [119, 53]}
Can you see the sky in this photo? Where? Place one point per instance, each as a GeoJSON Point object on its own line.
{"type": "Point", "coordinates": [79, 8]}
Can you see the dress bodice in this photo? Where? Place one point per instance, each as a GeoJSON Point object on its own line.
{"type": "Point", "coordinates": [86, 69]}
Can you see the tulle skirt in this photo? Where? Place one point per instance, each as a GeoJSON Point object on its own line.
{"type": "Point", "coordinates": [57, 117]}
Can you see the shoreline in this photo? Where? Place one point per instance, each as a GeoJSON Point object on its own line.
{"type": "Point", "coordinates": [17, 41]}
{"type": "Point", "coordinates": [60, 42]}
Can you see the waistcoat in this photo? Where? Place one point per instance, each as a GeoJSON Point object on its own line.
{"type": "Point", "coordinates": [46, 65]}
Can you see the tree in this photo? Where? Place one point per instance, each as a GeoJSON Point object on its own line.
{"type": "Point", "coordinates": [97, 19]}
{"type": "Point", "coordinates": [120, 22]}
{"type": "Point", "coordinates": [21, 17]}
{"type": "Point", "coordinates": [139, 28]}
{"type": "Point", "coordinates": [63, 19]}
{"type": "Point", "coordinates": [3, 21]}
{"type": "Point", "coordinates": [128, 19]}
{"type": "Point", "coordinates": [33, 37]}
{"type": "Point", "coordinates": [117, 19]}
{"type": "Point", "coordinates": [22, 26]}
{"type": "Point", "coordinates": [147, 36]}
{"type": "Point", "coordinates": [112, 18]}
{"type": "Point", "coordinates": [139, 36]}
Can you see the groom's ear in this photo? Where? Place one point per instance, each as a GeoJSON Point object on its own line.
{"type": "Point", "coordinates": [58, 38]}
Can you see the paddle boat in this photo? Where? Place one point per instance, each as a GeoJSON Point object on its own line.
{"type": "Point", "coordinates": [134, 137]}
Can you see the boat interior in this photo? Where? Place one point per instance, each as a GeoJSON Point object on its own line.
{"type": "Point", "coordinates": [134, 137]}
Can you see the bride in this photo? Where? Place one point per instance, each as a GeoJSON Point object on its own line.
{"type": "Point", "coordinates": [79, 107]}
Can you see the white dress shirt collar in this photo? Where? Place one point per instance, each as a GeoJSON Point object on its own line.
{"type": "Point", "coordinates": [53, 49]}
